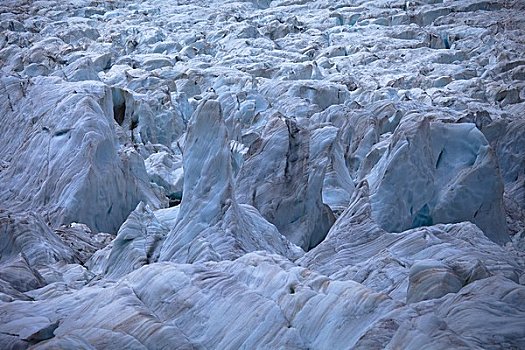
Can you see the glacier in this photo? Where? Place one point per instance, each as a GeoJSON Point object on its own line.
{"type": "Point", "coordinates": [262, 174]}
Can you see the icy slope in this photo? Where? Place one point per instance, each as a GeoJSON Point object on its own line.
{"type": "Point", "coordinates": [264, 174]}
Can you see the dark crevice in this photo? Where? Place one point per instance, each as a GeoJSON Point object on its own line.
{"type": "Point", "coordinates": [132, 126]}
{"type": "Point", "coordinates": [44, 333]}
{"type": "Point", "coordinates": [440, 157]}
{"type": "Point", "coordinates": [423, 217]}
{"type": "Point", "coordinates": [61, 132]}
{"type": "Point", "coordinates": [119, 111]}
{"type": "Point", "coordinates": [119, 106]}
{"type": "Point", "coordinates": [174, 199]}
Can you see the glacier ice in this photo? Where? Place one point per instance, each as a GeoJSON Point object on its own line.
{"type": "Point", "coordinates": [262, 174]}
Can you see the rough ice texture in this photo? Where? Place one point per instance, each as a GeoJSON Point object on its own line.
{"type": "Point", "coordinates": [438, 173]}
{"type": "Point", "coordinates": [263, 174]}
{"type": "Point", "coordinates": [212, 225]}
{"type": "Point", "coordinates": [287, 190]}
{"type": "Point", "coordinates": [63, 157]}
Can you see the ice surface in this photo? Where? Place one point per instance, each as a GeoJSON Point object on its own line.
{"type": "Point", "coordinates": [262, 174]}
